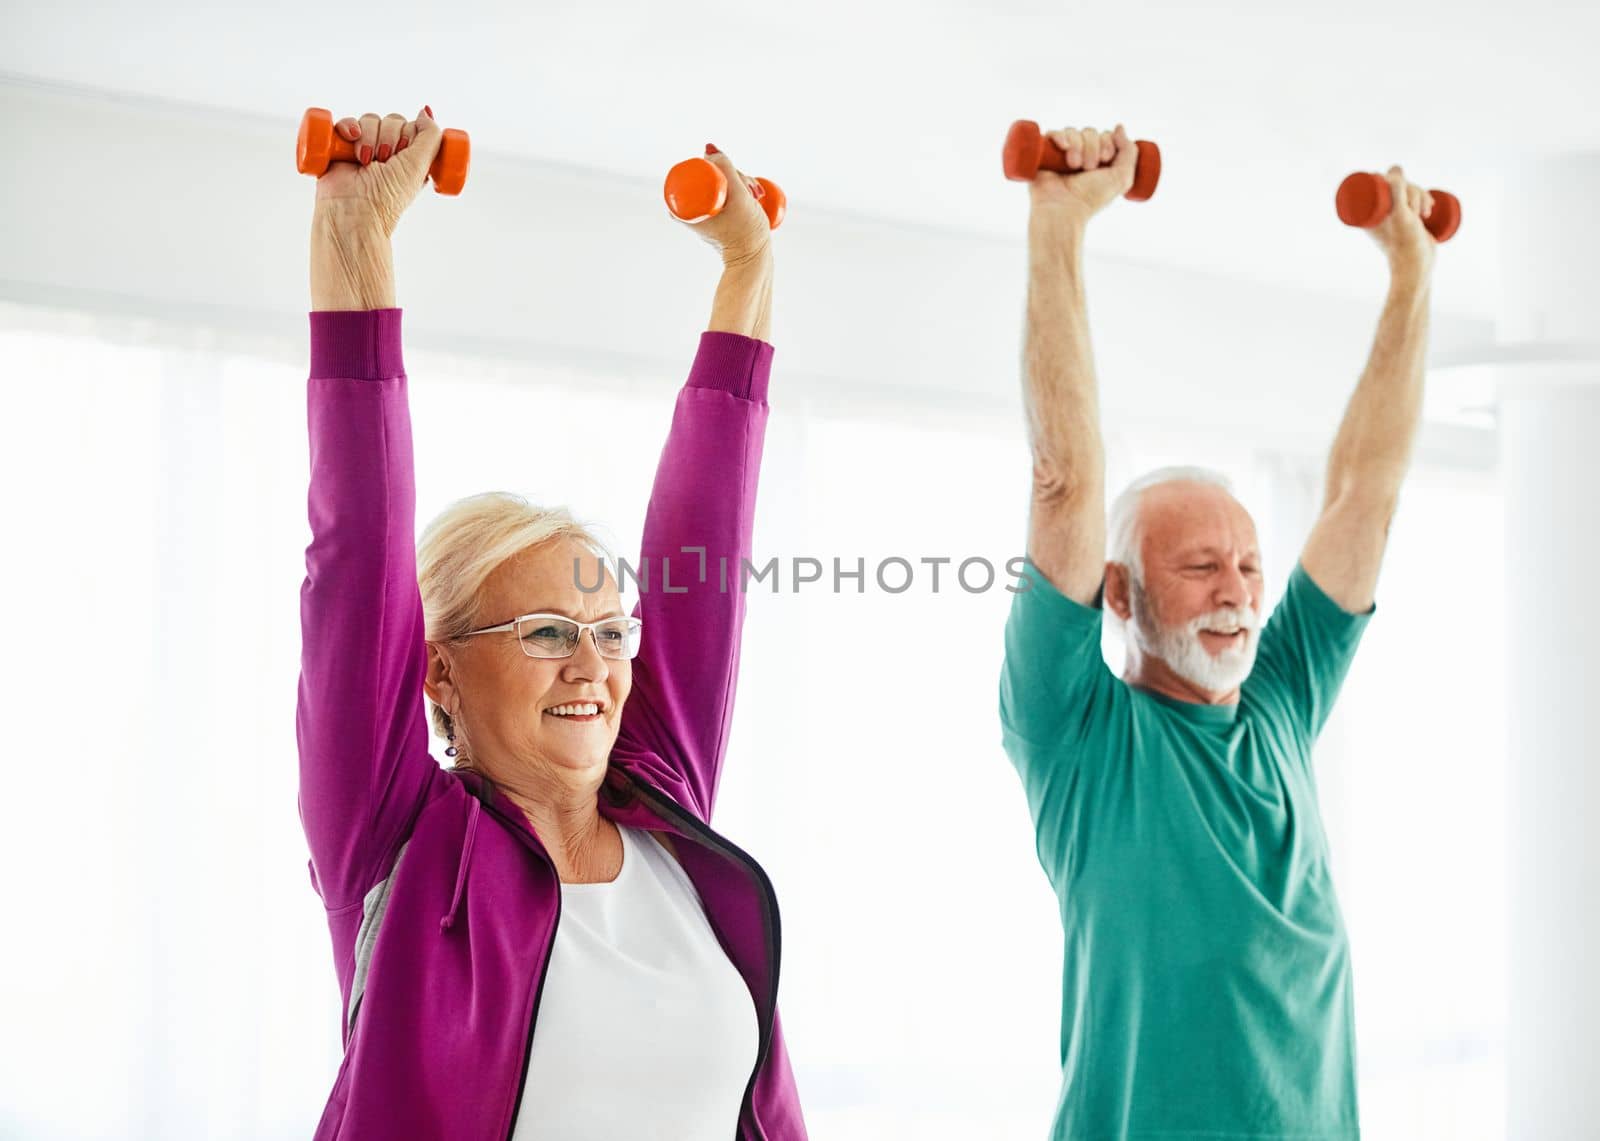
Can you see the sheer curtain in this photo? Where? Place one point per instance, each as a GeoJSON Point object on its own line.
{"type": "Point", "coordinates": [167, 969]}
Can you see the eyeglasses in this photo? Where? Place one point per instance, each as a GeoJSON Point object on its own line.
{"type": "Point", "coordinates": [556, 635]}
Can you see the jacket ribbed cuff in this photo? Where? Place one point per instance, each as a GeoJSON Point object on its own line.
{"type": "Point", "coordinates": [356, 344]}
{"type": "Point", "coordinates": [737, 364]}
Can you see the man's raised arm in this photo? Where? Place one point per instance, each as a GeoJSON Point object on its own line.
{"type": "Point", "coordinates": [1066, 525]}
{"type": "Point", "coordinates": [1372, 451]}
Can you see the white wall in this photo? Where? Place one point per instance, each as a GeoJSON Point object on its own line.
{"type": "Point", "coordinates": [142, 207]}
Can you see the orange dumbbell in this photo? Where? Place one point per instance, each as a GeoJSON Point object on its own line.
{"type": "Point", "coordinates": [318, 146]}
{"type": "Point", "coordinates": [696, 189]}
{"type": "Point", "coordinates": [1029, 150]}
{"type": "Point", "coordinates": [1364, 199]}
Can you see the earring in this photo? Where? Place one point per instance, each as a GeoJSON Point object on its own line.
{"type": "Point", "coordinates": [450, 738]}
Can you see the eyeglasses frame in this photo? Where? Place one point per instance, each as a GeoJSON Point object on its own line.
{"type": "Point", "coordinates": [635, 625]}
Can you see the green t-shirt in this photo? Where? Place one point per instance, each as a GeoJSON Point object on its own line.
{"type": "Point", "coordinates": [1206, 988]}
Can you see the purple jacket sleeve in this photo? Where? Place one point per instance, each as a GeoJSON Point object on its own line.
{"type": "Point", "coordinates": [360, 722]}
{"type": "Point", "coordinates": [692, 603]}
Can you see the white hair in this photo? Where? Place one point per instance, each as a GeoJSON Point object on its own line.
{"type": "Point", "coordinates": [1124, 525]}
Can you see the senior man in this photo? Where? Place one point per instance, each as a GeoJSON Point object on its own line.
{"type": "Point", "coordinates": [1206, 987]}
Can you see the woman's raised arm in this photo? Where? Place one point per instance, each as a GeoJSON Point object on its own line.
{"type": "Point", "coordinates": [364, 763]}
{"type": "Point", "coordinates": [697, 529]}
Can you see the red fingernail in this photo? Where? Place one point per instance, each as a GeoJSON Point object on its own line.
{"type": "Point", "coordinates": [366, 155]}
{"type": "Point", "coordinates": [711, 149]}
{"type": "Point", "coordinates": [402, 144]}
{"type": "Point", "coordinates": [428, 109]}
{"type": "Point", "coordinates": [384, 152]}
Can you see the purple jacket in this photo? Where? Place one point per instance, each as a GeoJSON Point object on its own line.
{"type": "Point", "coordinates": [441, 901]}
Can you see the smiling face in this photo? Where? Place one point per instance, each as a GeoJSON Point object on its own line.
{"type": "Point", "coordinates": [1197, 608]}
{"type": "Point", "coordinates": [524, 720]}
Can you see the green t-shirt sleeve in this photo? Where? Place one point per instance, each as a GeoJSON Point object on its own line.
{"type": "Point", "coordinates": [1056, 693]}
{"type": "Point", "coordinates": [1306, 649]}
{"type": "Point", "coordinates": [1053, 665]}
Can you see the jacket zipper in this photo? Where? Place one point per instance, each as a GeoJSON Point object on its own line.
{"type": "Point", "coordinates": [669, 810]}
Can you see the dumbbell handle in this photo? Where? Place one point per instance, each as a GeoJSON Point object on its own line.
{"type": "Point", "coordinates": [696, 189]}
{"type": "Point", "coordinates": [1028, 150]}
{"type": "Point", "coordinates": [319, 145]}
{"type": "Point", "coordinates": [1365, 199]}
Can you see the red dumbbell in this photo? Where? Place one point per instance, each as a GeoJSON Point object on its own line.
{"type": "Point", "coordinates": [1364, 199]}
{"type": "Point", "coordinates": [318, 146]}
{"type": "Point", "coordinates": [696, 189]}
{"type": "Point", "coordinates": [1028, 151]}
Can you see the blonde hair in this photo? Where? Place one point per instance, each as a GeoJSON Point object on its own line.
{"type": "Point", "coordinates": [464, 544]}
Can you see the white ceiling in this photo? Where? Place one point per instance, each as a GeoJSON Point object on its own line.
{"type": "Point", "coordinates": [895, 109]}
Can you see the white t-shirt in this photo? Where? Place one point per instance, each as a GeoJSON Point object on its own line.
{"type": "Point", "coordinates": [645, 1028]}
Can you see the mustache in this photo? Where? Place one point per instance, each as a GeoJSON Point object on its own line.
{"type": "Point", "coordinates": [1228, 617]}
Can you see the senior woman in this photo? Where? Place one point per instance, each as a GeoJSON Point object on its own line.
{"type": "Point", "coordinates": [546, 940]}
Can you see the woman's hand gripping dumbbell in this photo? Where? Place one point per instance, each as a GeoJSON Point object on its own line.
{"type": "Point", "coordinates": [382, 161]}
{"type": "Point", "coordinates": [697, 190]}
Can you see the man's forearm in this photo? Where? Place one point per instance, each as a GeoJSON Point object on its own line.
{"type": "Point", "coordinates": [1058, 365]}
{"type": "Point", "coordinates": [1373, 448]}
{"type": "Point", "coordinates": [352, 261]}
{"type": "Point", "coordinates": [743, 302]}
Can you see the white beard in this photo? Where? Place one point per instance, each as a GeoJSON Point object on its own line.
{"type": "Point", "coordinates": [1183, 652]}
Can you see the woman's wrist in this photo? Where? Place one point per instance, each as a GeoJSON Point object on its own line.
{"type": "Point", "coordinates": [743, 303]}
{"type": "Point", "coordinates": [352, 260]}
{"type": "Point", "coordinates": [750, 253]}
